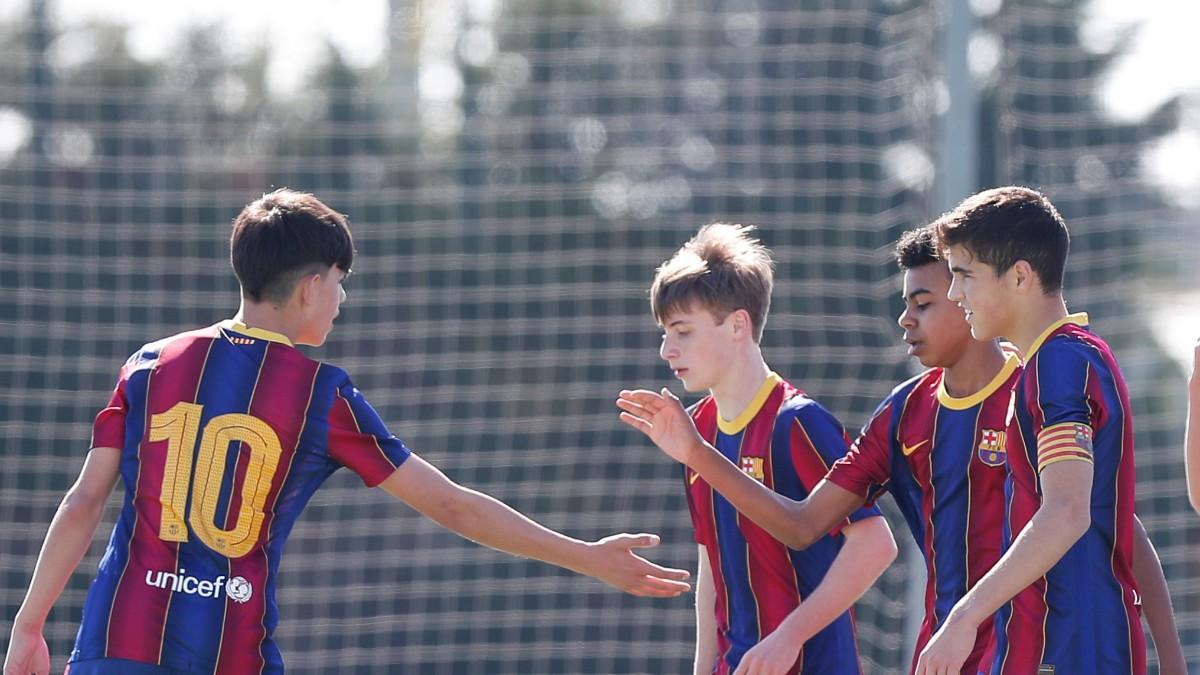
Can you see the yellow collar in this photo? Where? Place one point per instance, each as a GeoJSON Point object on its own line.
{"type": "Point", "coordinates": [239, 327]}
{"type": "Point", "coordinates": [1080, 319]}
{"type": "Point", "coordinates": [738, 423]}
{"type": "Point", "coordinates": [1011, 362]}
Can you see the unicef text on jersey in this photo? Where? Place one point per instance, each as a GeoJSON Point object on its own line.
{"type": "Point", "coordinates": [238, 588]}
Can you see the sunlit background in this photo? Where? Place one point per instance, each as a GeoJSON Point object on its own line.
{"type": "Point", "coordinates": [514, 170]}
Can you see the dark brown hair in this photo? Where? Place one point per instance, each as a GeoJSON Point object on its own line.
{"type": "Point", "coordinates": [283, 236]}
{"type": "Point", "coordinates": [1006, 224]}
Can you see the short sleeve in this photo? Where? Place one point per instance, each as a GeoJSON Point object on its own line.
{"type": "Point", "coordinates": [108, 429]}
{"type": "Point", "coordinates": [1060, 389]}
{"type": "Point", "coordinates": [702, 529]}
{"type": "Point", "coordinates": [1059, 404]}
{"type": "Point", "coordinates": [867, 468]}
{"type": "Point", "coordinates": [359, 440]}
{"type": "Point", "coordinates": [817, 442]}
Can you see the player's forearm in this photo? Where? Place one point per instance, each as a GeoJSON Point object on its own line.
{"type": "Point", "coordinates": [706, 643]}
{"type": "Point", "coordinates": [1156, 602]}
{"type": "Point", "coordinates": [492, 523]}
{"type": "Point", "coordinates": [706, 649]}
{"type": "Point", "coordinates": [67, 540]}
{"type": "Point", "coordinates": [785, 519]}
{"type": "Point", "coordinates": [707, 652]}
{"type": "Point", "coordinates": [1044, 541]}
{"type": "Point", "coordinates": [868, 550]}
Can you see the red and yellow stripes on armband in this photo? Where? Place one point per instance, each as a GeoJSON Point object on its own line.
{"type": "Point", "coordinates": [1062, 442]}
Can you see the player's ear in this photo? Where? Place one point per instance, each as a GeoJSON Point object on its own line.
{"type": "Point", "coordinates": [741, 322]}
{"type": "Point", "coordinates": [306, 289]}
{"type": "Point", "coordinates": [1023, 278]}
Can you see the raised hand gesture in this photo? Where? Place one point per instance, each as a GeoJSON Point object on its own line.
{"type": "Point", "coordinates": [664, 421]}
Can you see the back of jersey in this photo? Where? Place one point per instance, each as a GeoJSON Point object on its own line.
{"type": "Point", "coordinates": [224, 435]}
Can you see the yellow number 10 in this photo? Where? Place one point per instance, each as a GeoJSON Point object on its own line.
{"type": "Point", "coordinates": [179, 427]}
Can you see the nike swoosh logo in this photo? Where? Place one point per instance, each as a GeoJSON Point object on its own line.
{"type": "Point", "coordinates": [692, 476]}
{"type": "Point", "coordinates": [910, 449]}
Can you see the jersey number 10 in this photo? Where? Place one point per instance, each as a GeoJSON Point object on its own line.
{"type": "Point", "coordinates": [179, 427]}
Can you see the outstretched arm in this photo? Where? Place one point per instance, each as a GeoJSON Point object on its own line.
{"type": "Point", "coordinates": [1156, 605]}
{"type": "Point", "coordinates": [66, 543]}
{"type": "Point", "coordinates": [661, 417]}
{"type": "Point", "coordinates": [1192, 435]}
{"type": "Point", "coordinates": [490, 522]}
{"type": "Point", "coordinates": [866, 553]}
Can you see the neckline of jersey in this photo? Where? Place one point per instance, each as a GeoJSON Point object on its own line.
{"type": "Point", "coordinates": [1011, 361]}
{"type": "Point", "coordinates": [1079, 319]}
{"type": "Point", "coordinates": [738, 423]}
{"type": "Point", "coordinates": [262, 333]}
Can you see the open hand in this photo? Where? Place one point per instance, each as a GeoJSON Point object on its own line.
{"type": "Point", "coordinates": [616, 564]}
{"type": "Point", "coordinates": [664, 421]}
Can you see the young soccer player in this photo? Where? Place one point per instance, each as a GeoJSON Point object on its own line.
{"type": "Point", "coordinates": [760, 608]}
{"type": "Point", "coordinates": [1064, 587]}
{"type": "Point", "coordinates": [936, 443]}
{"type": "Point", "coordinates": [1191, 441]}
{"type": "Point", "coordinates": [220, 436]}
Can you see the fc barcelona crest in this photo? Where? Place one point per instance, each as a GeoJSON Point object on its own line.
{"type": "Point", "coordinates": [992, 449]}
{"type": "Point", "coordinates": [753, 467]}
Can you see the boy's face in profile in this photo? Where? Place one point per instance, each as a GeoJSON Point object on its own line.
{"type": "Point", "coordinates": [697, 347]}
{"type": "Point", "coordinates": [982, 294]}
{"type": "Point", "coordinates": [934, 328]}
{"type": "Point", "coordinates": [324, 299]}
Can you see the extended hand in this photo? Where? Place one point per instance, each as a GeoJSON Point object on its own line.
{"type": "Point", "coordinates": [948, 650]}
{"type": "Point", "coordinates": [775, 655]}
{"type": "Point", "coordinates": [27, 653]}
{"type": "Point", "coordinates": [662, 418]}
{"type": "Point", "coordinates": [616, 564]}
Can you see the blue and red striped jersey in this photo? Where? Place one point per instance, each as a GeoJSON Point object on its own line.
{"type": "Point", "coordinates": [787, 441]}
{"type": "Point", "coordinates": [1083, 615]}
{"type": "Point", "coordinates": [224, 433]}
{"type": "Point", "coordinates": [943, 460]}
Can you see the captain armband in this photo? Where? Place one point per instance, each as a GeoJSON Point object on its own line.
{"type": "Point", "coordinates": [1063, 442]}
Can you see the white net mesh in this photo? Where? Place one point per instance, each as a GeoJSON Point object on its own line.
{"type": "Point", "coordinates": [514, 173]}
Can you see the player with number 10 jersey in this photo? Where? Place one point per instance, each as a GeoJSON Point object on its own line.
{"type": "Point", "coordinates": [188, 577]}
{"type": "Point", "coordinates": [220, 436]}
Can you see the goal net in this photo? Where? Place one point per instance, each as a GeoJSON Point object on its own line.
{"type": "Point", "coordinates": [514, 172]}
